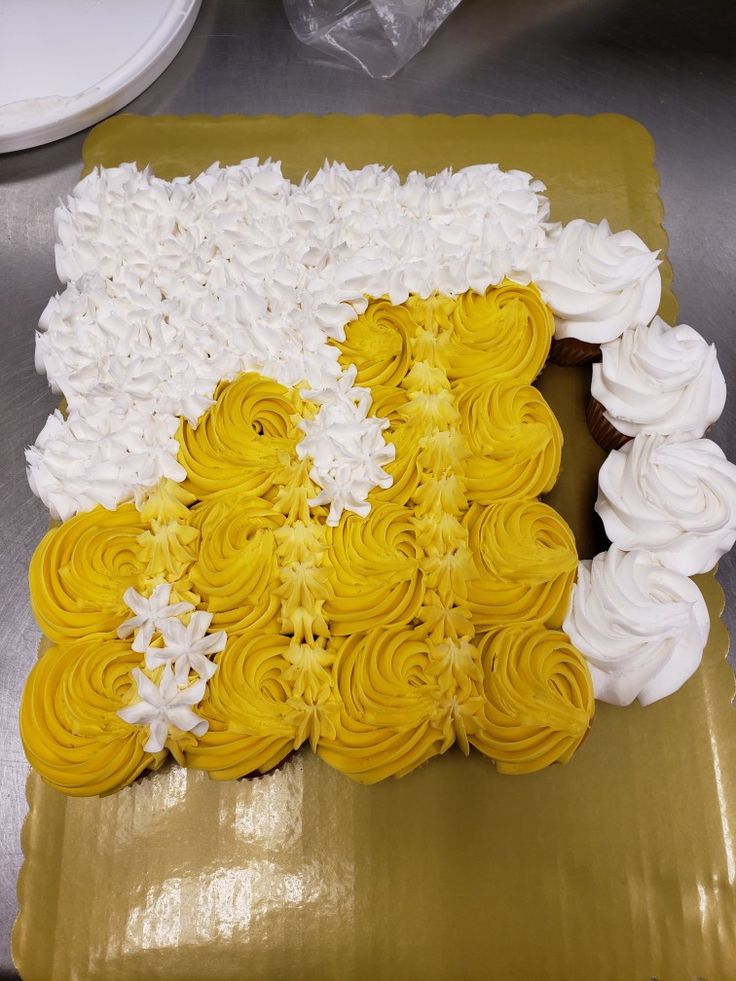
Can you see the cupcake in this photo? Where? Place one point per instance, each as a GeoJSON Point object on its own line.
{"type": "Point", "coordinates": [597, 284]}
{"type": "Point", "coordinates": [641, 628]}
{"type": "Point", "coordinates": [673, 496]}
{"type": "Point", "coordinates": [655, 379]}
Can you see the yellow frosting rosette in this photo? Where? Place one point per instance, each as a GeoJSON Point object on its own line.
{"type": "Point", "coordinates": [69, 725]}
{"type": "Point", "coordinates": [538, 698]}
{"type": "Point", "coordinates": [395, 711]}
{"type": "Point", "coordinates": [375, 570]}
{"type": "Point", "coordinates": [238, 442]}
{"type": "Point", "coordinates": [514, 439]}
{"type": "Point", "coordinates": [236, 571]}
{"type": "Point", "coordinates": [404, 469]}
{"type": "Point", "coordinates": [378, 344]}
{"type": "Point", "coordinates": [257, 710]}
{"type": "Point", "coordinates": [504, 333]}
{"type": "Point", "coordinates": [81, 569]}
{"type": "Point", "coordinates": [526, 563]}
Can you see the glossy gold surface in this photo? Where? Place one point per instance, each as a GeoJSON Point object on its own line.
{"type": "Point", "coordinates": [621, 865]}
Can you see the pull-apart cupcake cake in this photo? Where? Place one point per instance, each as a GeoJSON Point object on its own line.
{"type": "Point", "coordinates": [297, 479]}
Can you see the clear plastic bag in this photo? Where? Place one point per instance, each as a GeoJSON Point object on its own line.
{"type": "Point", "coordinates": [379, 36]}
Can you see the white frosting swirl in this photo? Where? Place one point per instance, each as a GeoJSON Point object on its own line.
{"type": "Point", "coordinates": [175, 285]}
{"type": "Point", "coordinates": [598, 283]}
{"type": "Point", "coordinates": [642, 628]}
{"type": "Point", "coordinates": [675, 497]}
{"type": "Point", "coordinates": [659, 379]}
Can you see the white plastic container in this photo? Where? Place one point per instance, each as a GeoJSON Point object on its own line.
{"type": "Point", "coordinates": [66, 64]}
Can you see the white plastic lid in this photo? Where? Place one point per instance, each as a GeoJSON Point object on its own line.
{"type": "Point", "coordinates": [66, 64]}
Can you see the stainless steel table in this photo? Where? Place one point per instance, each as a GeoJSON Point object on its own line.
{"type": "Point", "coordinates": [666, 65]}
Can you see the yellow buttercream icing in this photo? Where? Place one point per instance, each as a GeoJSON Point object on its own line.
{"type": "Point", "coordinates": [304, 589]}
{"type": "Point", "coordinates": [263, 702]}
{"type": "Point", "coordinates": [378, 344]}
{"type": "Point", "coordinates": [441, 451]}
{"type": "Point", "coordinates": [426, 377]}
{"type": "Point", "coordinates": [170, 544]}
{"type": "Point", "coordinates": [514, 439]}
{"type": "Point", "coordinates": [432, 340]}
{"type": "Point", "coordinates": [375, 570]}
{"type": "Point", "coordinates": [305, 585]}
{"type": "Point", "coordinates": [80, 570]}
{"type": "Point", "coordinates": [166, 502]}
{"type": "Point", "coordinates": [397, 708]}
{"type": "Point", "coordinates": [386, 403]}
{"type": "Point", "coordinates": [448, 571]}
{"type": "Point", "coordinates": [168, 549]}
{"type": "Point", "coordinates": [427, 411]}
{"type": "Point", "coordinates": [69, 725]}
{"type": "Point", "coordinates": [440, 495]}
{"type": "Point", "coordinates": [504, 333]}
{"type": "Point", "coordinates": [404, 469]}
{"type": "Point", "coordinates": [239, 440]}
{"type": "Point", "coordinates": [236, 569]}
{"type": "Point", "coordinates": [538, 701]}
{"type": "Point", "coordinates": [526, 563]}
{"type": "Point", "coordinates": [293, 489]}
{"type": "Point", "coordinates": [439, 620]}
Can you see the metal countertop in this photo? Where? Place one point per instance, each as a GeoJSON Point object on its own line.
{"type": "Point", "coordinates": [668, 66]}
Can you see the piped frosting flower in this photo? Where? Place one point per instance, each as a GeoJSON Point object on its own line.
{"type": "Point", "coordinates": [165, 704]}
{"type": "Point", "coordinates": [152, 613]}
{"type": "Point", "coordinates": [188, 647]}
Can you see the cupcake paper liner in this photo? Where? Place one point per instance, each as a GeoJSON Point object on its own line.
{"type": "Point", "coordinates": [603, 432]}
{"type": "Point", "coordinates": [570, 351]}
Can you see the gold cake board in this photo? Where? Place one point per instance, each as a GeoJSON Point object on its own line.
{"type": "Point", "coordinates": [619, 866]}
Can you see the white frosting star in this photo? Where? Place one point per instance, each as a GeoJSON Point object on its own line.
{"type": "Point", "coordinates": [165, 704]}
{"type": "Point", "coordinates": [187, 647]}
{"type": "Point", "coordinates": [152, 613]}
